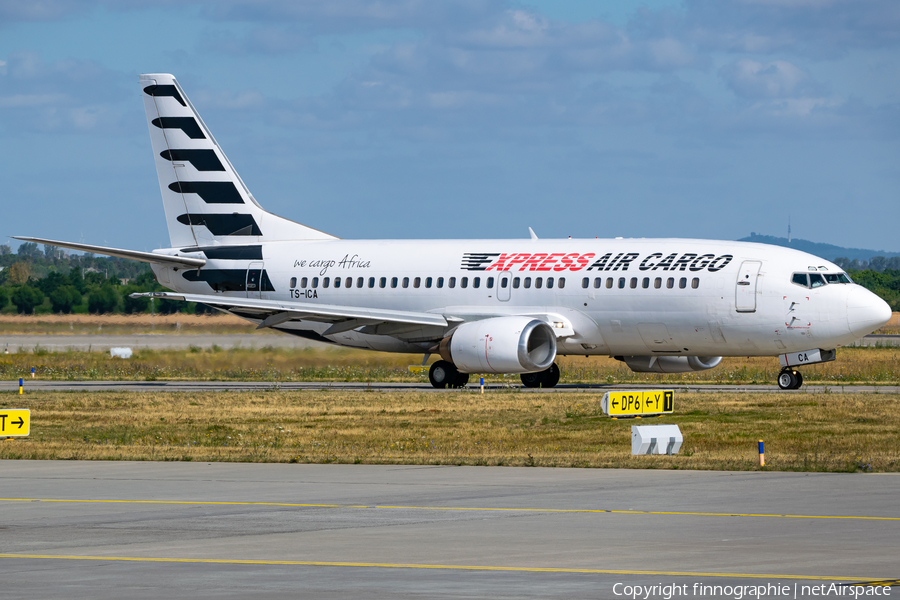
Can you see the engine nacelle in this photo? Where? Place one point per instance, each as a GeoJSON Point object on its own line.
{"type": "Point", "coordinates": [501, 345]}
{"type": "Point", "coordinates": [670, 364]}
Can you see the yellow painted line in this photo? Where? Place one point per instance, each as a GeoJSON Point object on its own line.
{"type": "Point", "coordinates": [460, 508]}
{"type": "Point", "coordinates": [374, 565]}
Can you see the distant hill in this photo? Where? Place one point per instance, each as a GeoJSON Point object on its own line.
{"type": "Point", "coordinates": [826, 251]}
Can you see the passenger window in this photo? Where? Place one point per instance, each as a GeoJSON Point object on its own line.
{"type": "Point", "coordinates": [428, 282]}
{"type": "Point", "coordinates": [561, 283]}
{"type": "Point", "coordinates": [417, 282]}
{"type": "Point", "coordinates": [800, 279]}
{"type": "Point", "coordinates": [516, 282]}
{"type": "Point", "coordinates": [490, 283]}
{"type": "Point", "coordinates": [527, 282]}
{"type": "Point", "coordinates": [549, 283]}
{"type": "Point", "coordinates": [657, 283]}
{"type": "Point", "coordinates": [293, 282]}
{"type": "Point", "coordinates": [382, 281]}
{"type": "Point", "coordinates": [325, 282]}
{"type": "Point", "coordinates": [315, 282]}
{"type": "Point", "coordinates": [451, 283]}
{"type": "Point", "coordinates": [585, 282]}
{"type": "Point", "coordinates": [393, 282]}
{"type": "Point", "coordinates": [504, 283]}
{"type": "Point", "coordinates": [645, 283]}
{"type": "Point", "coordinates": [633, 282]}
{"type": "Point", "coordinates": [440, 282]}
{"type": "Point", "coordinates": [303, 282]}
{"type": "Point", "coordinates": [815, 280]}
{"type": "Point", "coordinates": [538, 281]}
{"type": "Point", "coordinates": [476, 282]}
{"type": "Point", "coordinates": [609, 283]}
{"type": "Point", "coordinates": [406, 282]}
{"type": "Point", "coordinates": [670, 282]}
{"type": "Point", "coordinates": [371, 282]}
{"type": "Point", "coordinates": [621, 283]}
{"type": "Point", "coordinates": [598, 281]}
{"type": "Point", "coordinates": [682, 283]}
{"type": "Point", "coordinates": [463, 282]}
{"type": "Point", "coordinates": [337, 282]}
{"type": "Point", "coordinates": [695, 282]}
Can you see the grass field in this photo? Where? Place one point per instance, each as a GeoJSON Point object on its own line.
{"type": "Point", "coordinates": [802, 432]}
{"type": "Point", "coordinates": [853, 365]}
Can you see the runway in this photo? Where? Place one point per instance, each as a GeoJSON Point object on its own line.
{"type": "Point", "coordinates": [258, 386]}
{"type": "Point", "coordinates": [113, 530]}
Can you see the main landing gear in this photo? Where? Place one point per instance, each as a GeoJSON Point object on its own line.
{"type": "Point", "coordinates": [546, 379]}
{"type": "Point", "coordinates": [790, 379]}
{"type": "Point", "coordinates": [444, 374]}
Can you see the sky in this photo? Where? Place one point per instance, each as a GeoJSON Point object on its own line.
{"type": "Point", "coordinates": [466, 119]}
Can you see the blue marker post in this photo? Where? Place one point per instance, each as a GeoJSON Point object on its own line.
{"type": "Point", "coordinates": [21, 386]}
{"type": "Point", "coordinates": [482, 385]}
{"type": "Point", "coordinates": [762, 454]}
{"type": "Point", "coordinates": [32, 372]}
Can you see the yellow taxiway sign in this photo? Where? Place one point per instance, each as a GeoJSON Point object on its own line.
{"type": "Point", "coordinates": [15, 422]}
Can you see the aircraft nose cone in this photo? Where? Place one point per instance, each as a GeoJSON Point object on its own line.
{"type": "Point", "coordinates": [866, 312]}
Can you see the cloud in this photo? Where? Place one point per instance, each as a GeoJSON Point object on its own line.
{"type": "Point", "coordinates": [270, 40]}
{"type": "Point", "coordinates": [67, 95]}
{"type": "Point", "coordinates": [776, 79]}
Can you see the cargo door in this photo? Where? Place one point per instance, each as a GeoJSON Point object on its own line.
{"type": "Point", "coordinates": [254, 280]}
{"type": "Point", "coordinates": [745, 287]}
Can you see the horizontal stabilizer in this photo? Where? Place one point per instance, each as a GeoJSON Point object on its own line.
{"type": "Point", "coordinates": [147, 257]}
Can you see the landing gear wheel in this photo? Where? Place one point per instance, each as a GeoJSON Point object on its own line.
{"type": "Point", "coordinates": [443, 374]}
{"type": "Point", "coordinates": [551, 376]}
{"type": "Point", "coordinates": [531, 380]}
{"type": "Point", "coordinates": [461, 380]}
{"type": "Point", "coordinates": [546, 378]}
{"type": "Point", "coordinates": [790, 380]}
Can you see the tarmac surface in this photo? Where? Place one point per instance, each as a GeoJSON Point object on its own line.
{"type": "Point", "coordinates": [256, 386]}
{"type": "Point", "coordinates": [148, 530]}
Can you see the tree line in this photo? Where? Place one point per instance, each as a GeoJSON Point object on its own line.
{"type": "Point", "coordinates": [49, 280]}
{"type": "Point", "coordinates": [52, 281]}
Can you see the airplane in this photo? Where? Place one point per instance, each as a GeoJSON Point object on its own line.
{"type": "Point", "coordinates": [485, 306]}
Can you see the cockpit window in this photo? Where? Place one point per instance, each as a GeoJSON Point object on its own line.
{"type": "Point", "coordinates": [816, 280]}
{"type": "Point", "coordinates": [837, 278]}
{"type": "Point", "coordinates": [800, 279]}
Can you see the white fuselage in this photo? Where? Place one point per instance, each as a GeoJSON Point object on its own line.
{"type": "Point", "coordinates": [608, 297]}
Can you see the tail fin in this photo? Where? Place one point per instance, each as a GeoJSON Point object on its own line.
{"type": "Point", "coordinates": [206, 202]}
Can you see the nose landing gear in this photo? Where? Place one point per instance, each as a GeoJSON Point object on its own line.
{"type": "Point", "coordinates": [790, 379]}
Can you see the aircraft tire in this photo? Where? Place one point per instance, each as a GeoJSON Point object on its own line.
{"type": "Point", "coordinates": [443, 374]}
{"type": "Point", "coordinates": [546, 379]}
{"type": "Point", "coordinates": [532, 380]}
{"type": "Point", "coordinates": [551, 376]}
{"type": "Point", "coordinates": [787, 380]}
{"type": "Point", "coordinates": [461, 380]}
{"type": "Point", "coordinates": [799, 381]}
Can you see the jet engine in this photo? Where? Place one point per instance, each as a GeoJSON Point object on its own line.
{"type": "Point", "coordinates": [670, 364]}
{"type": "Point", "coordinates": [501, 345]}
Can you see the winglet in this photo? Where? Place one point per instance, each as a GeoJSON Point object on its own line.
{"type": "Point", "coordinates": [533, 234]}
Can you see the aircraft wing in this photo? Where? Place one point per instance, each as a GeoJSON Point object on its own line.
{"type": "Point", "coordinates": [148, 257]}
{"type": "Point", "coordinates": [275, 312]}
